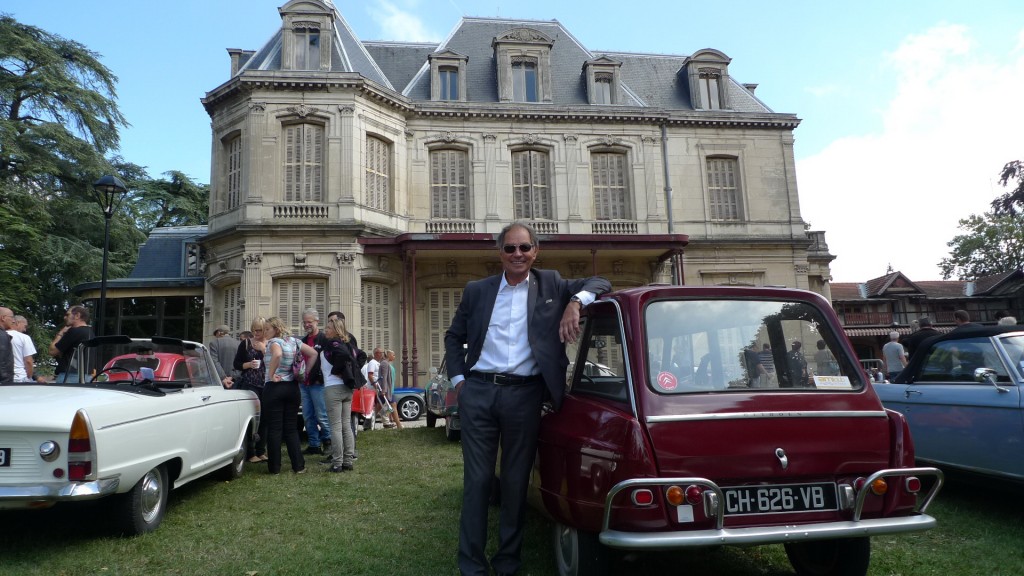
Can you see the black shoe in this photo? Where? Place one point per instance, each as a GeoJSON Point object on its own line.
{"type": "Point", "coordinates": [347, 467]}
{"type": "Point", "coordinates": [339, 469]}
{"type": "Point", "coordinates": [313, 450]}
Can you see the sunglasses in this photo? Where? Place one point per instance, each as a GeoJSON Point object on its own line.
{"type": "Point", "coordinates": [511, 248]}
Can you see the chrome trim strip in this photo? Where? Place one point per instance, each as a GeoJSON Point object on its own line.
{"type": "Point", "coordinates": [69, 491]}
{"type": "Point", "coordinates": [767, 415]}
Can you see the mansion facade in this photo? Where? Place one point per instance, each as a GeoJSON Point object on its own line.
{"type": "Point", "coordinates": [373, 177]}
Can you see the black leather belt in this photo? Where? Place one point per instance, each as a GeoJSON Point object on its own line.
{"type": "Point", "coordinates": [507, 379]}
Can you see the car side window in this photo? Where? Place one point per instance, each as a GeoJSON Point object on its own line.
{"type": "Point", "coordinates": [603, 370]}
{"type": "Point", "coordinates": [956, 361]}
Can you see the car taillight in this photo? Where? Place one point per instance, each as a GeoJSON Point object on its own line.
{"type": "Point", "coordinates": [80, 448]}
{"type": "Point", "coordinates": [694, 494]}
{"type": "Point", "coordinates": [674, 495]}
{"type": "Point", "coordinates": [879, 487]}
{"type": "Point", "coordinates": [913, 484]}
{"type": "Point", "coordinates": [643, 497]}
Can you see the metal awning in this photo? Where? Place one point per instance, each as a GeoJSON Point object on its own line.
{"type": "Point", "coordinates": [884, 331]}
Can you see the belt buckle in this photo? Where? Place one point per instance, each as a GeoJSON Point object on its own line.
{"type": "Point", "coordinates": [501, 379]}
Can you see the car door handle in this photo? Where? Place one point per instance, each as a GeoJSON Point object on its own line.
{"type": "Point", "coordinates": [205, 398]}
{"type": "Point", "coordinates": [907, 393]}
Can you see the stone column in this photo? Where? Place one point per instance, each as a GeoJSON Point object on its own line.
{"type": "Point", "coordinates": [251, 286]}
{"type": "Point", "coordinates": [254, 165]}
{"type": "Point", "coordinates": [346, 157]}
{"type": "Point", "coordinates": [571, 162]}
{"type": "Point", "coordinates": [489, 188]}
{"type": "Point", "coordinates": [347, 287]}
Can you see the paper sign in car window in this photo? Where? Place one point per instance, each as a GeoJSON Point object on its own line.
{"type": "Point", "coordinates": [832, 383]}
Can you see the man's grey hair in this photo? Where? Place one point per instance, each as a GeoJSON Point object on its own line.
{"type": "Point", "coordinates": [518, 224]}
{"type": "Point", "coordinates": [894, 335]}
{"type": "Point", "coordinates": [1004, 321]}
{"type": "Point", "coordinates": [19, 319]}
{"type": "Point", "coordinates": [311, 312]}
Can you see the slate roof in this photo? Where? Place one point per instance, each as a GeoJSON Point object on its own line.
{"type": "Point", "coordinates": [162, 255]}
{"type": "Point", "coordinates": [1004, 284]}
{"type": "Point", "coordinates": [647, 80]}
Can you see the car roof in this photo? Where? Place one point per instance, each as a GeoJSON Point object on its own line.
{"type": "Point", "coordinates": [979, 331]}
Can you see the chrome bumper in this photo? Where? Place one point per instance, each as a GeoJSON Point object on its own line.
{"type": "Point", "coordinates": [27, 496]}
{"type": "Point", "coordinates": [719, 535]}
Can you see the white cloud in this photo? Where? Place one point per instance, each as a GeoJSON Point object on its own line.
{"type": "Point", "coordinates": [396, 22]}
{"type": "Point", "coordinates": [895, 197]}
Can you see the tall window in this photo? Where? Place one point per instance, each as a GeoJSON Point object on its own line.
{"type": "Point", "coordinates": [531, 193]}
{"type": "Point", "coordinates": [524, 80]}
{"type": "Point", "coordinates": [234, 171]}
{"type": "Point", "coordinates": [723, 189]}
{"type": "Point", "coordinates": [449, 178]}
{"type": "Point", "coordinates": [303, 163]}
{"type": "Point", "coordinates": [293, 295]}
{"type": "Point", "coordinates": [710, 80]}
{"type": "Point", "coordinates": [603, 89]}
{"type": "Point", "coordinates": [307, 49]}
{"type": "Point", "coordinates": [449, 77]}
{"type": "Point", "coordinates": [609, 179]}
{"type": "Point", "coordinates": [376, 312]}
{"type": "Point", "coordinates": [442, 303]}
{"type": "Point", "coordinates": [233, 308]}
{"type": "Point", "coordinates": [378, 174]}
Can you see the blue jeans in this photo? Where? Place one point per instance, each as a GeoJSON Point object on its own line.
{"type": "Point", "coordinates": [314, 412]}
{"type": "Point", "coordinates": [66, 377]}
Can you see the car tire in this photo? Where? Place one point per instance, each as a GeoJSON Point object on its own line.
{"type": "Point", "coordinates": [839, 557]}
{"type": "Point", "coordinates": [579, 553]}
{"type": "Point", "coordinates": [451, 433]}
{"type": "Point", "coordinates": [234, 470]}
{"type": "Point", "coordinates": [142, 508]}
{"type": "Point", "coordinates": [409, 409]}
{"type": "Point", "coordinates": [431, 419]}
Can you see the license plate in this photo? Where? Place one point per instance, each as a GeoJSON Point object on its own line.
{"type": "Point", "coordinates": [778, 499]}
{"type": "Point", "coordinates": [5, 456]}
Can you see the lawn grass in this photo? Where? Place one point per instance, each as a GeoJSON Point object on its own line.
{"type": "Point", "coordinates": [397, 514]}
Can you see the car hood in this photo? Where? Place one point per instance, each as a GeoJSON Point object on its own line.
{"type": "Point", "coordinates": [52, 407]}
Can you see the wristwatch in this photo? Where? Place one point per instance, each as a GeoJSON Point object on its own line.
{"type": "Point", "coordinates": [577, 300]}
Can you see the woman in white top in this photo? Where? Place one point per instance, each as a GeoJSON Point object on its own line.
{"type": "Point", "coordinates": [281, 397]}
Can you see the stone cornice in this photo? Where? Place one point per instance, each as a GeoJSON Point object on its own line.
{"type": "Point", "coordinates": [252, 81]}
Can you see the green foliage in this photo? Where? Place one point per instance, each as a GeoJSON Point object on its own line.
{"type": "Point", "coordinates": [1009, 202]}
{"type": "Point", "coordinates": [991, 244]}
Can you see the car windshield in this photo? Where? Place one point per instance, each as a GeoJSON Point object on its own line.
{"type": "Point", "coordinates": [704, 345]}
{"type": "Point", "coordinates": [166, 362]}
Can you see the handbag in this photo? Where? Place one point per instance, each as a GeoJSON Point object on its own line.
{"type": "Point", "coordinates": [299, 362]}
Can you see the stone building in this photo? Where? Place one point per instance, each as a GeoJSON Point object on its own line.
{"type": "Point", "coordinates": [372, 177]}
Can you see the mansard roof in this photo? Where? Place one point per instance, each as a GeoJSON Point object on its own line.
{"type": "Point", "coordinates": [646, 80]}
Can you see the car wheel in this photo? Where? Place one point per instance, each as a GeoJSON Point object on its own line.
{"type": "Point", "coordinates": [431, 419]}
{"type": "Point", "coordinates": [451, 433]}
{"type": "Point", "coordinates": [840, 557]}
{"type": "Point", "coordinates": [409, 409]}
{"type": "Point", "coordinates": [142, 508]}
{"type": "Point", "coordinates": [233, 471]}
{"type": "Point", "coordinates": [579, 553]}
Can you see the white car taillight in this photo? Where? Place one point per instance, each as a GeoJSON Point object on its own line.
{"type": "Point", "coordinates": [81, 452]}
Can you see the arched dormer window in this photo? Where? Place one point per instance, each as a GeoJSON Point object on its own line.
{"type": "Point", "coordinates": [448, 76]}
{"type": "Point", "coordinates": [523, 65]}
{"type": "Point", "coordinates": [306, 27]}
{"type": "Point", "coordinates": [708, 72]}
{"type": "Point", "coordinates": [602, 80]}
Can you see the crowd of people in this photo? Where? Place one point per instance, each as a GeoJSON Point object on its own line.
{"type": "Point", "coordinates": [17, 351]}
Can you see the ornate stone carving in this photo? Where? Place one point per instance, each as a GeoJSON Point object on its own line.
{"type": "Point", "coordinates": [253, 259]}
{"type": "Point", "coordinates": [523, 35]}
{"type": "Point", "coordinates": [257, 107]}
{"type": "Point", "coordinates": [451, 269]}
{"type": "Point", "coordinates": [383, 264]}
{"type": "Point", "coordinates": [610, 140]}
{"type": "Point", "coordinates": [241, 302]}
{"type": "Point", "coordinates": [346, 258]}
{"type": "Point", "coordinates": [617, 267]}
{"type": "Point", "coordinates": [310, 24]}
{"type": "Point", "coordinates": [302, 110]}
{"type": "Point", "coordinates": [449, 137]}
{"type": "Point", "coordinates": [409, 133]}
{"type": "Point", "coordinates": [346, 110]}
{"type": "Point", "coordinates": [570, 138]}
{"type": "Point", "coordinates": [490, 138]}
{"type": "Point", "coordinates": [652, 140]}
{"type": "Point", "coordinates": [300, 261]}
{"type": "Point", "coordinates": [801, 268]}
{"type": "Point", "coordinates": [531, 139]}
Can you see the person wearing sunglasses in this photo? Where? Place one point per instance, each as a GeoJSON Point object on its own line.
{"type": "Point", "coordinates": [505, 352]}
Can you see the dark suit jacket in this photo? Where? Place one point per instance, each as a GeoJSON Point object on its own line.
{"type": "Point", "coordinates": [548, 297]}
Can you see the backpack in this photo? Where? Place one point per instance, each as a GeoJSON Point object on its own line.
{"type": "Point", "coordinates": [299, 363]}
{"type": "Point", "coordinates": [360, 360]}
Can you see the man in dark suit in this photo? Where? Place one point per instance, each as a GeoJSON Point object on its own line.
{"type": "Point", "coordinates": [514, 327]}
{"type": "Point", "coordinates": [926, 331]}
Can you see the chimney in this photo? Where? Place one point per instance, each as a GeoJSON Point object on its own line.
{"type": "Point", "coordinates": [238, 58]}
{"type": "Point", "coordinates": [750, 87]}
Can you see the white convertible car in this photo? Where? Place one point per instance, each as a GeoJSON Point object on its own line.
{"type": "Point", "coordinates": [148, 415]}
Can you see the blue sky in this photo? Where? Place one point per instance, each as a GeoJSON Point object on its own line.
{"type": "Point", "coordinates": [908, 108]}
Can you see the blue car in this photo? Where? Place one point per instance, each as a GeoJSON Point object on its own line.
{"type": "Point", "coordinates": [961, 395]}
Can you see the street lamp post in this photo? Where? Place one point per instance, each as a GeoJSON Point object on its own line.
{"type": "Point", "coordinates": [110, 191]}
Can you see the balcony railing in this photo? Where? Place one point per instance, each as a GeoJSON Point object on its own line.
{"type": "Point", "coordinates": [301, 211]}
{"type": "Point", "coordinates": [450, 227]}
{"type": "Point", "coordinates": [610, 227]}
{"type": "Point", "coordinates": [867, 318]}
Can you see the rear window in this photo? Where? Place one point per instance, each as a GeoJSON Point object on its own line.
{"type": "Point", "coordinates": [770, 346]}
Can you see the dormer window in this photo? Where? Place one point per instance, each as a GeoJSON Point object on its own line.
{"type": "Point", "coordinates": [602, 80]}
{"type": "Point", "coordinates": [708, 72]}
{"type": "Point", "coordinates": [306, 35]}
{"type": "Point", "coordinates": [307, 48]}
{"type": "Point", "coordinates": [523, 64]}
{"type": "Point", "coordinates": [448, 76]}
{"type": "Point", "coordinates": [524, 80]}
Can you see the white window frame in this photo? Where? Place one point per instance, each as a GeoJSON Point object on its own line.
{"type": "Point", "coordinates": [441, 306]}
{"type": "Point", "coordinates": [377, 167]}
{"type": "Point", "coordinates": [610, 184]}
{"type": "Point", "coordinates": [303, 164]}
{"type": "Point", "coordinates": [449, 183]}
{"type": "Point", "coordinates": [531, 185]}
{"type": "Point", "coordinates": [293, 295]}
{"type": "Point", "coordinates": [233, 170]}
{"type": "Point", "coordinates": [232, 307]}
{"type": "Point", "coordinates": [724, 188]}
{"type": "Point", "coordinates": [376, 330]}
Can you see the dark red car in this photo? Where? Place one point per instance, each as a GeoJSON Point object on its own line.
{"type": "Point", "coordinates": [695, 433]}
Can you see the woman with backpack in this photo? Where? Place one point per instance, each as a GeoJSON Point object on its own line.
{"type": "Point", "coordinates": [339, 369]}
{"type": "Point", "coordinates": [281, 394]}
